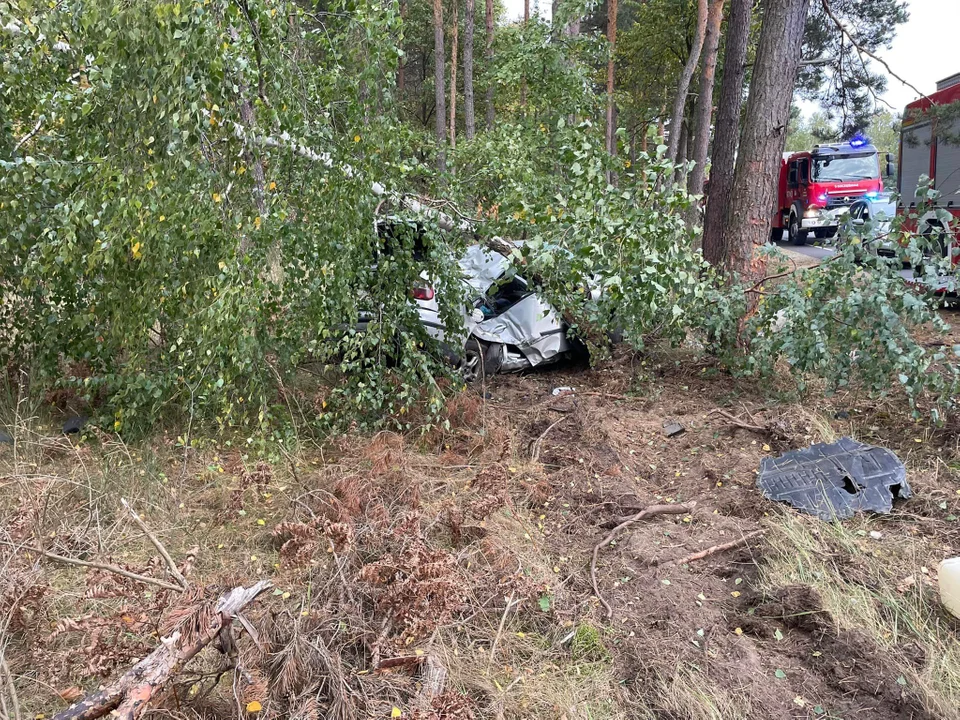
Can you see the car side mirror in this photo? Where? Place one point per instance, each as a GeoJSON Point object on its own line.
{"type": "Point", "coordinates": [891, 170]}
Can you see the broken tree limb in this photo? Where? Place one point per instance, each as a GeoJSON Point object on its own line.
{"type": "Point", "coordinates": [131, 694]}
{"type": "Point", "coordinates": [645, 513]}
{"type": "Point", "coordinates": [171, 565]}
{"type": "Point", "coordinates": [535, 453]}
{"type": "Point", "coordinates": [105, 566]}
{"type": "Point", "coordinates": [715, 549]}
{"type": "Point", "coordinates": [740, 423]}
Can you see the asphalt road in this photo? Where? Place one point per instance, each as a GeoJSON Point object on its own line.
{"type": "Point", "coordinates": [809, 249]}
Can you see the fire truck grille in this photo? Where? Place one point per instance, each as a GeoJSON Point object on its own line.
{"type": "Point", "coordinates": [842, 201]}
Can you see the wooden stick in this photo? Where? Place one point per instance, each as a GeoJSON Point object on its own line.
{"type": "Point", "coordinates": [104, 566]}
{"type": "Point", "coordinates": [715, 549]}
{"type": "Point", "coordinates": [645, 513]}
{"type": "Point", "coordinates": [131, 694]}
{"type": "Point", "coordinates": [171, 565]}
{"type": "Point", "coordinates": [738, 422]}
{"type": "Point", "coordinates": [535, 455]}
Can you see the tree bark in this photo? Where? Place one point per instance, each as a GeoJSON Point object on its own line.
{"type": "Point", "coordinates": [488, 55]}
{"type": "Point", "coordinates": [680, 101]}
{"type": "Point", "coordinates": [523, 80]}
{"type": "Point", "coordinates": [764, 133]}
{"type": "Point", "coordinates": [453, 75]}
{"type": "Point", "coordinates": [439, 60]}
{"type": "Point", "coordinates": [727, 136]}
{"type": "Point", "coordinates": [703, 112]}
{"type": "Point", "coordinates": [611, 49]}
{"type": "Point", "coordinates": [468, 107]}
{"type": "Point", "coordinates": [402, 65]}
{"type": "Point", "coordinates": [132, 693]}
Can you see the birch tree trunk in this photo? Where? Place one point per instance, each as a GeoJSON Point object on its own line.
{"type": "Point", "coordinates": [727, 135]}
{"type": "Point", "coordinates": [439, 60]}
{"type": "Point", "coordinates": [488, 55]}
{"type": "Point", "coordinates": [468, 108]}
{"type": "Point", "coordinates": [680, 101]}
{"type": "Point", "coordinates": [612, 46]}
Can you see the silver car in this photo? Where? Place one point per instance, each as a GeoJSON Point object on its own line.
{"type": "Point", "coordinates": [507, 326]}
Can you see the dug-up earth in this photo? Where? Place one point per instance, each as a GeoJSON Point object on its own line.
{"type": "Point", "coordinates": [446, 573]}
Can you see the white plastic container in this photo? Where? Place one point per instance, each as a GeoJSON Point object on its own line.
{"type": "Point", "coordinates": [949, 577]}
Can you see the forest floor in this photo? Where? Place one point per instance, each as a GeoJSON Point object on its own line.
{"type": "Point", "coordinates": [465, 553]}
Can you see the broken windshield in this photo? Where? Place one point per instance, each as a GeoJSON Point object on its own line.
{"type": "Point", "coordinates": [846, 167]}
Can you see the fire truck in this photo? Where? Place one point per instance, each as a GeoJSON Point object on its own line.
{"type": "Point", "coordinates": [818, 186]}
{"type": "Point", "coordinates": [930, 145]}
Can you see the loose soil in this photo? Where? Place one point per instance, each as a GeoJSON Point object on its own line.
{"type": "Point", "coordinates": [471, 546]}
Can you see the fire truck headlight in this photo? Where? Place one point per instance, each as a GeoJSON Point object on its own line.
{"type": "Point", "coordinates": [812, 211]}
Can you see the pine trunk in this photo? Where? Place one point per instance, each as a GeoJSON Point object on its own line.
{"type": "Point", "coordinates": [703, 112]}
{"type": "Point", "coordinates": [488, 55]}
{"type": "Point", "coordinates": [468, 107]}
{"type": "Point", "coordinates": [764, 134]}
{"type": "Point", "coordinates": [680, 101]}
{"type": "Point", "coordinates": [727, 136]}
{"type": "Point", "coordinates": [453, 75]}
{"type": "Point", "coordinates": [611, 49]}
{"type": "Point", "coordinates": [439, 60]}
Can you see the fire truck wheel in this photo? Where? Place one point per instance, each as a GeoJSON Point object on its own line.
{"type": "Point", "coordinates": [824, 233]}
{"type": "Point", "coordinates": [798, 236]}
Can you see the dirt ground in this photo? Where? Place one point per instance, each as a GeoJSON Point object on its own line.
{"type": "Point", "coordinates": [469, 548]}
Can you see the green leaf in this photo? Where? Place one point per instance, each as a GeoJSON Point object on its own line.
{"type": "Point", "coordinates": [544, 602]}
{"type": "Point", "coordinates": [780, 674]}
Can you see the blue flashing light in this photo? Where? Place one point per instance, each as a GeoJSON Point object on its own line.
{"type": "Point", "coordinates": [858, 140]}
{"type": "Point", "coordinates": [822, 198]}
{"type": "Point", "coordinates": [873, 195]}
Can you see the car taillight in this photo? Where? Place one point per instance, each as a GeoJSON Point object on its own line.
{"type": "Point", "coordinates": [423, 293]}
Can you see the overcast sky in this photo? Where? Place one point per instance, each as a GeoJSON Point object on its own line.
{"type": "Point", "coordinates": [925, 49]}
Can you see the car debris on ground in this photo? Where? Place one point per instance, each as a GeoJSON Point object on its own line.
{"type": "Point", "coordinates": [834, 481]}
{"type": "Point", "coordinates": [672, 428]}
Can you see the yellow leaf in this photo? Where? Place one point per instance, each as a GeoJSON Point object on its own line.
{"type": "Point", "coordinates": [356, 138]}
{"type": "Point", "coordinates": [261, 522]}
{"type": "Point", "coordinates": [272, 186]}
{"type": "Point", "coordinates": [254, 706]}
{"type": "Point", "coordinates": [739, 631]}
{"type": "Point", "coordinates": [766, 448]}
{"type": "Point", "coordinates": [256, 222]}
{"type": "Point", "coordinates": [216, 197]}
{"type": "Point", "coordinates": [736, 593]}
{"type": "Point", "coordinates": [396, 712]}
{"type": "Point", "coordinates": [285, 596]}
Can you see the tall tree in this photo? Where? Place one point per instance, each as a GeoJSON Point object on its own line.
{"type": "Point", "coordinates": [680, 101]}
{"type": "Point", "coordinates": [453, 75]}
{"type": "Point", "coordinates": [844, 83]}
{"type": "Point", "coordinates": [728, 131]}
{"type": "Point", "coordinates": [439, 61]}
{"type": "Point", "coordinates": [468, 108]}
{"type": "Point", "coordinates": [703, 113]}
{"type": "Point", "coordinates": [523, 81]}
{"type": "Point", "coordinates": [612, 46]}
{"type": "Point", "coordinates": [764, 133]}
{"type": "Point", "coordinates": [488, 56]}
{"type": "Point", "coordinates": [402, 63]}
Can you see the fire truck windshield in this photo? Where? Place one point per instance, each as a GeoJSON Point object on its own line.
{"type": "Point", "coordinates": [845, 167]}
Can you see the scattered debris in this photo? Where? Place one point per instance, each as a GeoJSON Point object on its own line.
{"type": "Point", "coordinates": [949, 577]}
{"type": "Point", "coordinates": [5, 438]}
{"type": "Point", "coordinates": [876, 535]}
{"type": "Point", "coordinates": [672, 428]}
{"type": "Point", "coordinates": [835, 481]}
{"type": "Point", "coordinates": [74, 424]}
{"type": "Point", "coordinates": [563, 390]}
{"type": "Point", "coordinates": [842, 415]}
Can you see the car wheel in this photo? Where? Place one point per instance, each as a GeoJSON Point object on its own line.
{"type": "Point", "coordinates": [479, 361]}
{"type": "Point", "coordinates": [798, 236]}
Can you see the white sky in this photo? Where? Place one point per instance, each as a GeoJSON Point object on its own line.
{"type": "Point", "coordinates": [925, 49]}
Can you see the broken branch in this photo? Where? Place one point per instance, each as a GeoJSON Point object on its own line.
{"type": "Point", "coordinates": [535, 454]}
{"type": "Point", "coordinates": [130, 695]}
{"type": "Point", "coordinates": [171, 565]}
{"type": "Point", "coordinates": [715, 549]}
{"type": "Point", "coordinates": [109, 568]}
{"type": "Point", "coordinates": [645, 513]}
{"type": "Point", "coordinates": [738, 422]}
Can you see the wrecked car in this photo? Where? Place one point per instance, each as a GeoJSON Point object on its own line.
{"type": "Point", "coordinates": [507, 326]}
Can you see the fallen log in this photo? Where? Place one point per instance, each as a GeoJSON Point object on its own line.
{"type": "Point", "coordinates": [131, 694]}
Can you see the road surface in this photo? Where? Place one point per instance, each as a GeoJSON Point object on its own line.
{"type": "Point", "coordinates": [812, 251]}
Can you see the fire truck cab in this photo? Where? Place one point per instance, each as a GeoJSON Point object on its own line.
{"type": "Point", "coordinates": [818, 186]}
{"type": "Point", "coordinates": [930, 145]}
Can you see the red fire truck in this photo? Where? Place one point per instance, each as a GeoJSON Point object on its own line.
{"type": "Point", "coordinates": [930, 145]}
{"type": "Point", "coordinates": [817, 186]}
